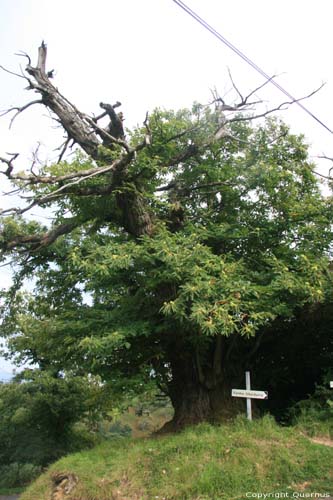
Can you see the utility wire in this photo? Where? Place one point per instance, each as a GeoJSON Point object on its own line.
{"type": "Point", "coordinates": [218, 35]}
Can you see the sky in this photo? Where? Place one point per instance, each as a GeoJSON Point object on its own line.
{"type": "Point", "coordinates": [150, 53]}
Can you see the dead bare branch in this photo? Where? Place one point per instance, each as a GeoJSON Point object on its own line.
{"type": "Point", "coordinates": [324, 157]}
{"type": "Point", "coordinates": [242, 105]}
{"type": "Point", "coordinates": [98, 117]}
{"type": "Point", "coordinates": [282, 107]}
{"type": "Point", "coordinates": [13, 192]}
{"type": "Point", "coordinates": [35, 160]}
{"type": "Point", "coordinates": [234, 86]}
{"type": "Point", "coordinates": [106, 136]}
{"type": "Point", "coordinates": [327, 177]}
{"type": "Point", "coordinates": [85, 131]}
{"type": "Point", "coordinates": [20, 110]}
{"type": "Point", "coordinates": [9, 163]}
{"type": "Point", "coordinates": [24, 54]}
{"type": "Point", "coordinates": [266, 82]}
{"type": "Point", "coordinates": [52, 179]}
{"type": "Point", "coordinates": [13, 73]}
{"type": "Point", "coordinates": [149, 136]}
{"type": "Point", "coordinates": [63, 148]}
{"type": "Point", "coordinates": [65, 189]}
{"type": "Point", "coordinates": [42, 53]}
{"type": "Point", "coordinates": [70, 117]}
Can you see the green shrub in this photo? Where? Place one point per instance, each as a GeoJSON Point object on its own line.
{"type": "Point", "coordinates": [18, 474]}
{"type": "Point", "coordinates": [42, 418]}
{"type": "Point", "coordinates": [117, 429]}
{"type": "Point", "coordinates": [315, 414]}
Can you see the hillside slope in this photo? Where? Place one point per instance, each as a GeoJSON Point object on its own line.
{"type": "Point", "coordinates": [235, 461]}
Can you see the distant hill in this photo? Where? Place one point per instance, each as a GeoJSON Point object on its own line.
{"type": "Point", "coordinates": [5, 376]}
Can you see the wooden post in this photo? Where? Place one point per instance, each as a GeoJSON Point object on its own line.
{"type": "Point", "coordinates": [248, 394]}
{"type": "Point", "coordinates": [248, 400]}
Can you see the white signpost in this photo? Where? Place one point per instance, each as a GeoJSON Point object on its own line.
{"type": "Point", "coordinates": [249, 394]}
{"type": "Point", "coordinates": [242, 393]}
{"type": "Point", "coordinates": [331, 384]}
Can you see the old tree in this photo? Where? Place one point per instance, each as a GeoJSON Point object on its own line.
{"type": "Point", "coordinates": [171, 249]}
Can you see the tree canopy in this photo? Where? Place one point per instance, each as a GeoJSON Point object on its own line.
{"type": "Point", "coordinates": [170, 247]}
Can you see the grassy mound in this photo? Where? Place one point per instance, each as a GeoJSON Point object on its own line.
{"type": "Point", "coordinates": [234, 461]}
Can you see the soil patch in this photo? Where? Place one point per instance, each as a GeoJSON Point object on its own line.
{"type": "Point", "coordinates": [323, 440]}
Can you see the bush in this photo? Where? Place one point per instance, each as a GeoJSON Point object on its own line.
{"type": "Point", "coordinates": [18, 474]}
{"type": "Point", "coordinates": [39, 417]}
{"type": "Point", "coordinates": [117, 429]}
{"type": "Point", "coordinates": [315, 414]}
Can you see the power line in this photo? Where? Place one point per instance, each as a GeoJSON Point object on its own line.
{"type": "Point", "coordinates": [222, 39]}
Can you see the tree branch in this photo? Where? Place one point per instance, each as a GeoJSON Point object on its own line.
{"type": "Point", "coordinates": [106, 136]}
{"type": "Point", "coordinates": [327, 177]}
{"type": "Point", "coordinates": [174, 184]}
{"type": "Point", "coordinates": [96, 118]}
{"type": "Point", "coordinates": [65, 189]}
{"type": "Point", "coordinates": [266, 82]}
{"type": "Point", "coordinates": [9, 163]}
{"type": "Point", "coordinates": [63, 148]}
{"type": "Point", "coordinates": [24, 54]}
{"type": "Point", "coordinates": [71, 119]}
{"type": "Point", "coordinates": [13, 73]}
{"type": "Point", "coordinates": [36, 241]}
{"type": "Point", "coordinates": [234, 86]}
{"type": "Point", "coordinates": [20, 110]}
{"type": "Point", "coordinates": [52, 179]}
{"type": "Point", "coordinates": [135, 212]}
{"type": "Point", "coordinates": [281, 106]}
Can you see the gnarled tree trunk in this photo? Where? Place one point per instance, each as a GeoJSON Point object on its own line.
{"type": "Point", "coordinates": [200, 388]}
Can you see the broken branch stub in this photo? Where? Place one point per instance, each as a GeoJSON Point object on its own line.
{"type": "Point", "coordinates": [76, 126]}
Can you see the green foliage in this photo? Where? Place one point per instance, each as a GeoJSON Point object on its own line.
{"type": "Point", "coordinates": [20, 474]}
{"type": "Point", "coordinates": [117, 429]}
{"type": "Point", "coordinates": [203, 462]}
{"type": "Point", "coordinates": [314, 415]}
{"type": "Point", "coordinates": [14, 227]}
{"type": "Point", "coordinates": [241, 238]}
{"type": "Point", "coordinates": [38, 417]}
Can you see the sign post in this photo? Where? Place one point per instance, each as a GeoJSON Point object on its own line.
{"type": "Point", "coordinates": [331, 384]}
{"type": "Point", "coordinates": [248, 400]}
{"type": "Point", "coordinates": [249, 394]}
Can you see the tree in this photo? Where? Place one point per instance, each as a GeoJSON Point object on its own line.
{"type": "Point", "coordinates": [38, 413]}
{"type": "Point", "coordinates": [169, 250]}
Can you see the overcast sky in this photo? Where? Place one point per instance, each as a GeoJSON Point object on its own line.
{"type": "Point", "coordinates": [148, 53]}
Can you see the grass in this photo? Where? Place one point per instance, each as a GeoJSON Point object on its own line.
{"type": "Point", "coordinates": [315, 423]}
{"type": "Point", "coordinates": [202, 463]}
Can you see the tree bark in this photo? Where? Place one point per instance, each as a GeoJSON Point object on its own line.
{"type": "Point", "coordinates": [201, 392]}
{"type": "Point", "coordinates": [69, 116]}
